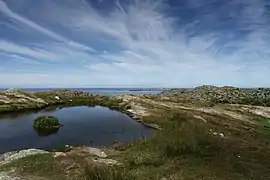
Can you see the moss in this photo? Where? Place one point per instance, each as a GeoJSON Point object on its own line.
{"type": "Point", "coordinates": [7, 108]}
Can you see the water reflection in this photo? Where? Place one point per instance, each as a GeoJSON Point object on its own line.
{"type": "Point", "coordinates": [94, 126]}
{"type": "Point", "coordinates": [46, 132]}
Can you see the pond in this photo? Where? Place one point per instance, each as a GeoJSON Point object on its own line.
{"type": "Point", "coordinates": [91, 126]}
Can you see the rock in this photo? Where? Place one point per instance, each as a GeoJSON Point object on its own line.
{"type": "Point", "coordinates": [96, 151]}
{"type": "Point", "coordinates": [11, 156]}
{"type": "Point", "coordinates": [221, 135]}
{"type": "Point", "coordinates": [107, 161]}
{"type": "Point", "coordinates": [57, 154]}
{"type": "Point", "coordinates": [226, 94]}
{"type": "Point", "coordinates": [201, 118]}
{"type": "Point", "coordinates": [18, 96]}
{"type": "Point", "coordinates": [68, 146]}
{"type": "Point", "coordinates": [11, 90]}
{"type": "Point", "coordinates": [57, 97]}
{"type": "Point", "coordinates": [134, 117]}
{"type": "Point", "coordinates": [154, 126]}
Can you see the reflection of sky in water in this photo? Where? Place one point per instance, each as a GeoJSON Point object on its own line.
{"type": "Point", "coordinates": [96, 126]}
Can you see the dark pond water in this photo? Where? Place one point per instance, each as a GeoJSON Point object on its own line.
{"type": "Point", "coordinates": [92, 126]}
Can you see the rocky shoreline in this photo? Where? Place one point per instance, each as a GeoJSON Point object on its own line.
{"type": "Point", "coordinates": [16, 100]}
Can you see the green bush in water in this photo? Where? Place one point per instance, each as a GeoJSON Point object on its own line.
{"type": "Point", "coordinates": [46, 123]}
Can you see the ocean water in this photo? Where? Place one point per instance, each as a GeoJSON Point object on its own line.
{"type": "Point", "coordinates": [104, 91]}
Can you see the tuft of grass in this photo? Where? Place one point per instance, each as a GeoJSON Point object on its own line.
{"type": "Point", "coordinates": [93, 172]}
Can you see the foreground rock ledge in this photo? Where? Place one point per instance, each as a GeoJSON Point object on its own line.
{"type": "Point", "coordinates": [14, 155]}
{"type": "Point", "coordinates": [97, 155]}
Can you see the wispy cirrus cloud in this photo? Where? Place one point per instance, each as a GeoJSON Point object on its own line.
{"type": "Point", "coordinates": [163, 43]}
{"type": "Point", "coordinates": [10, 14]}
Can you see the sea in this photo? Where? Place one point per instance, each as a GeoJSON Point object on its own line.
{"type": "Point", "coordinates": [103, 91]}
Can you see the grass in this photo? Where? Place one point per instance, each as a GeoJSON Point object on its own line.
{"type": "Point", "coordinates": [7, 108]}
{"type": "Point", "coordinates": [93, 172]}
{"type": "Point", "coordinates": [184, 149]}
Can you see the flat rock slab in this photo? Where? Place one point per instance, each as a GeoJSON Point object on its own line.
{"type": "Point", "coordinates": [14, 155]}
{"type": "Point", "coordinates": [107, 161]}
{"type": "Point", "coordinates": [96, 151]}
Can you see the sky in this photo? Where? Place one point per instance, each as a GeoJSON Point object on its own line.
{"type": "Point", "coordinates": [134, 43]}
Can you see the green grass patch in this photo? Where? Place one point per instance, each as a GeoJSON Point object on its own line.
{"type": "Point", "coordinates": [185, 149]}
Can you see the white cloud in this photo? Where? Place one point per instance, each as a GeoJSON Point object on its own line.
{"type": "Point", "coordinates": [150, 47]}
{"type": "Point", "coordinates": [10, 47]}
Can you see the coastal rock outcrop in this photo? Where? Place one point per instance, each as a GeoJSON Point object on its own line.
{"type": "Point", "coordinates": [225, 94]}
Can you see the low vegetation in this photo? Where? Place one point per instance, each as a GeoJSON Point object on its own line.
{"type": "Point", "coordinates": [196, 142]}
{"type": "Point", "coordinates": [46, 123]}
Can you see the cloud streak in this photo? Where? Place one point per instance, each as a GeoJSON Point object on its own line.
{"type": "Point", "coordinates": [165, 43]}
{"type": "Point", "coordinates": [9, 13]}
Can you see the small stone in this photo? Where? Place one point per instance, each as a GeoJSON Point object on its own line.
{"type": "Point", "coordinates": [215, 133]}
{"type": "Point", "coordinates": [57, 97]}
{"type": "Point", "coordinates": [96, 151]}
{"type": "Point", "coordinates": [221, 135]}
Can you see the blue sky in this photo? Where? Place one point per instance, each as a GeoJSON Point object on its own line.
{"type": "Point", "coordinates": [134, 43]}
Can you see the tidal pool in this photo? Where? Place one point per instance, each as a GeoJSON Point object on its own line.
{"type": "Point", "coordinates": [90, 126]}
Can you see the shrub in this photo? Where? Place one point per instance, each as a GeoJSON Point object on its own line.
{"type": "Point", "coordinates": [46, 123]}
